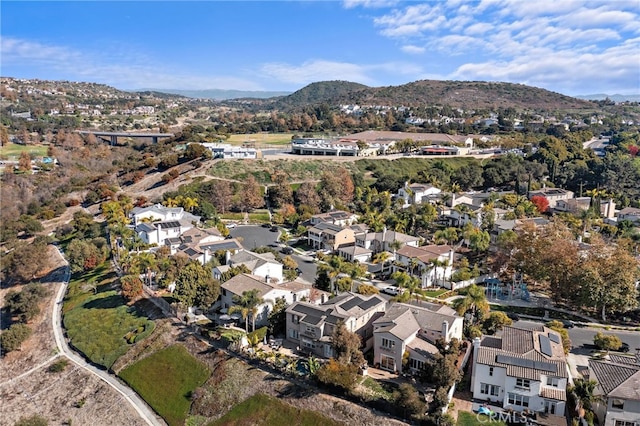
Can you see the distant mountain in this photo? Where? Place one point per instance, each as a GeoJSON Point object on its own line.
{"type": "Point", "coordinates": [218, 94]}
{"type": "Point", "coordinates": [456, 94]}
{"type": "Point", "coordinates": [614, 98]}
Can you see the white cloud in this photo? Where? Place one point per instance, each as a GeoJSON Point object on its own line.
{"type": "Point", "coordinates": [316, 70]}
{"type": "Point", "coordinates": [372, 4]}
{"type": "Point", "coordinates": [121, 68]}
{"type": "Point", "coordinates": [413, 50]}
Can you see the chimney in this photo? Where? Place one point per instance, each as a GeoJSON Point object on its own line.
{"type": "Point", "coordinates": [266, 278]}
{"type": "Point", "coordinates": [227, 257]}
{"type": "Point", "coordinates": [445, 331]}
{"type": "Point", "coordinates": [323, 298]}
{"type": "Point", "coordinates": [476, 349]}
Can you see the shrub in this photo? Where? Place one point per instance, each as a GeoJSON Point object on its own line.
{"type": "Point", "coordinates": [12, 338]}
{"type": "Point", "coordinates": [58, 366]}
{"type": "Point", "coordinates": [35, 420]}
{"type": "Point", "coordinates": [339, 375]}
{"type": "Point", "coordinates": [258, 335]}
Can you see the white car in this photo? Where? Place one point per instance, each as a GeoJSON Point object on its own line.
{"type": "Point", "coordinates": [393, 291]}
{"type": "Point", "coordinates": [231, 225]}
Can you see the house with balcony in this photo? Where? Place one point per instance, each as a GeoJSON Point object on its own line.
{"type": "Point", "coordinates": [158, 232]}
{"type": "Point", "coordinates": [522, 370]}
{"type": "Point", "coordinates": [267, 290]}
{"type": "Point", "coordinates": [433, 264]}
{"type": "Point", "coordinates": [329, 236]}
{"type": "Point", "coordinates": [311, 327]}
{"type": "Point", "coordinates": [263, 265]}
{"type": "Point", "coordinates": [385, 241]}
{"type": "Point", "coordinates": [160, 213]}
{"type": "Point", "coordinates": [412, 330]}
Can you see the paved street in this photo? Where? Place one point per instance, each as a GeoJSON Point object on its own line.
{"type": "Point", "coordinates": [581, 336]}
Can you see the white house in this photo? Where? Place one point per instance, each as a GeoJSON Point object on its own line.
{"type": "Point", "coordinates": [263, 265]}
{"type": "Point", "coordinates": [432, 263]}
{"type": "Point", "coordinates": [521, 369]}
{"type": "Point", "coordinates": [336, 217]}
{"type": "Point", "coordinates": [291, 291]}
{"type": "Point", "coordinates": [553, 195]}
{"type": "Point", "coordinates": [160, 213]}
{"type": "Point", "coordinates": [414, 330]}
{"type": "Point", "coordinates": [417, 193]}
{"type": "Point", "coordinates": [619, 385]}
{"type": "Point", "coordinates": [630, 213]}
{"type": "Point", "coordinates": [355, 253]}
{"type": "Point", "coordinates": [158, 232]}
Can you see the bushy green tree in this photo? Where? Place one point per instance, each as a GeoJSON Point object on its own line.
{"type": "Point", "coordinates": [12, 338]}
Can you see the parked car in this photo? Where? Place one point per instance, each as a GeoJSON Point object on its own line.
{"type": "Point", "coordinates": [266, 225]}
{"type": "Point", "coordinates": [624, 347]}
{"type": "Point", "coordinates": [513, 316]}
{"type": "Point", "coordinates": [298, 271]}
{"type": "Point", "coordinates": [274, 229]}
{"type": "Point", "coordinates": [287, 250]}
{"type": "Point", "coordinates": [568, 324]}
{"type": "Point", "coordinates": [393, 291]}
{"type": "Point", "coordinates": [231, 225]}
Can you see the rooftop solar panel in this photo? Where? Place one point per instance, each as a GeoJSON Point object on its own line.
{"type": "Point", "coordinates": [545, 345]}
{"type": "Point", "coordinates": [554, 337]}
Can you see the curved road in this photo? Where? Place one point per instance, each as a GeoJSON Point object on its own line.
{"type": "Point", "coordinates": [146, 413]}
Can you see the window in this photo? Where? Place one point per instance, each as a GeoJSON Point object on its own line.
{"type": "Point", "coordinates": [310, 330]}
{"type": "Point", "coordinates": [328, 351]}
{"type": "Point", "coordinates": [553, 381]}
{"type": "Point", "coordinates": [550, 407]}
{"type": "Point", "coordinates": [519, 400]}
{"type": "Point", "coordinates": [293, 333]}
{"type": "Point", "coordinates": [295, 319]}
{"type": "Point", "coordinates": [416, 364]}
{"type": "Point", "coordinates": [387, 363]}
{"type": "Point", "coordinates": [617, 404]}
{"type": "Point", "coordinates": [623, 423]}
{"type": "Point", "coordinates": [389, 344]}
{"type": "Point", "coordinates": [488, 389]}
{"type": "Point", "coordinates": [523, 383]}
{"type": "Point", "coordinates": [491, 371]}
{"type": "Point", "coordinates": [308, 344]}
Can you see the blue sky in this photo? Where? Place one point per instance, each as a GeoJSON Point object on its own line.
{"type": "Point", "coordinates": [571, 47]}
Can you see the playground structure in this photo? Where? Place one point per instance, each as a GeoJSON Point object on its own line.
{"type": "Point", "coordinates": [496, 289]}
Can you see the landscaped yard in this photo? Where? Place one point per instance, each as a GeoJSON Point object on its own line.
{"type": "Point", "coordinates": [97, 320]}
{"type": "Point", "coordinates": [535, 311]}
{"type": "Point", "coordinates": [472, 419]}
{"type": "Point", "coordinates": [266, 410]}
{"type": "Point", "coordinates": [434, 293]}
{"type": "Point", "coordinates": [165, 380]}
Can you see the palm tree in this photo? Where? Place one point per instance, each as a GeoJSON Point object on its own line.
{"type": "Point", "coordinates": [475, 302]}
{"type": "Point", "coordinates": [243, 311]}
{"type": "Point", "coordinates": [582, 390]}
{"type": "Point", "coordinates": [247, 305]}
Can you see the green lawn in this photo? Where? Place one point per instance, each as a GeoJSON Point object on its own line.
{"type": "Point", "coordinates": [535, 311]}
{"type": "Point", "coordinates": [100, 324]}
{"type": "Point", "coordinates": [434, 293]}
{"type": "Point", "coordinates": [264, 410]}
{"type": "Point", "coordinates": [165, 380]}
{"type": "Point", "coordinates": [472, 419]}
{"type": "Point", "coordinates": [12, 151]}
{"type": "Point", "coordinates": [261, 139]}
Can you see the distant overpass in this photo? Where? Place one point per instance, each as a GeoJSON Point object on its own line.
{"type": "Point", "coordinates": [115, 135]}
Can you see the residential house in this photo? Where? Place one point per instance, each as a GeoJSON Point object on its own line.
{"type": "Point", "coordinates": [630, 213]}
{"type": "Point", "coordinates": [355, 253]}
{"type": "Point", "coordinates": [553, 195]}
{"type": "Point", "coordinates": [521, 369]}
{"type": "Point", "coordinates": [329, 236]}
{"type": "Point", "coordinates": [417, 193]}
{"type": "Point", "coordinates": [160, 213]}
{"type": "Point", "coordinates": [335, 217]}
{"type": "Point", "coordinates": [268, 291]}
{"type": "Point", "coordinates": [432, 263]}
{"type": "Point", "coordinates": [385, 240]}
{"type": "Point", "coordinates": [158, 232]}
{"type": "Point", "coordinates": [619, 387]}
{"type": "Point", "coordinates": [204, 252]}
{"type": "Point", "coordinates": [263, 265]}
{"type": "Point", "coordinates": [464, 213]}
{"type": "Point", "coordinates": [573, 205]}
{"type": "Point", "coordinates": [311, 326]}
{"type": "Point", "coordinates": [413, 330]}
